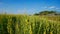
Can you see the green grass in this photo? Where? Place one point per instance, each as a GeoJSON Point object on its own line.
{"type": "Point", "coordinates": [24, 24]}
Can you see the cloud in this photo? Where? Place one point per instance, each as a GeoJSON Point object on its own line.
{"type": "Point", "coordinates": [49, 7]}
{"type": "Point", "coordinates": [45, 7]}
{"type": "Point", "coordinates": [21, 11]}
{"type": "Point", "coordinates": [58, 8]}
{"type": "Point", "coordinates": [26, 11]}
{"type": "Point", "coordinates": [52, 7]}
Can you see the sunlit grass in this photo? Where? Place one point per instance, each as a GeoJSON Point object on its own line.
{"type": "Point", "coordinates": [24, 24]}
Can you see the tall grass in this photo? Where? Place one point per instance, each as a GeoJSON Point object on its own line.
{"type": "Point", "coordinates": [24, 24]}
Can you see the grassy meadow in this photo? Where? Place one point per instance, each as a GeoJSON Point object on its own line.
{"type": "Point", "coordinates": [25, 24]}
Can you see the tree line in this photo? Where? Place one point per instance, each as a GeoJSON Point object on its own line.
{"type": "Point", "coordinates": [47, 13]}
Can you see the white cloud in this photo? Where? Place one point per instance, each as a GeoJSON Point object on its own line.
{"type": "Point", "coordinates": [49, 7]}
{"type": "Point", "coordinates": [26, 11]}
{"type": "Point", "coordinates": [58, 8]}
{"type": "Point", "coordinates": [52, 7]}
{"type": "Point", "coordinates": [45, 7]}
{"type": "Point", "coordinates": [21, 11]}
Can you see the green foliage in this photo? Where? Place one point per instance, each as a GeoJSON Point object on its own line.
{"type": "Point", "coordinates": [24, 24]}
{"type": "Point", "coordinates": [47, 13]}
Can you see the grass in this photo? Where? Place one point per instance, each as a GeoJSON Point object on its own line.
{"type": "Point", "coordinates": [24, 24]}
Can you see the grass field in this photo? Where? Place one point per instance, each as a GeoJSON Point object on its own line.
{"type": "Point", "coordinates": [24, 24]}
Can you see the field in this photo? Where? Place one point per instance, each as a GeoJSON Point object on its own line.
{"type": "Point", "coordinates": [24, 24]}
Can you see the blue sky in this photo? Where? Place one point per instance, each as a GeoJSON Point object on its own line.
{"type": "Point", "coordinates": [28, 6]}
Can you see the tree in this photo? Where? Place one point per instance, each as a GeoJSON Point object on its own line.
{"type": "Point", "coordinates": [46, 13]}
